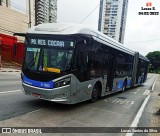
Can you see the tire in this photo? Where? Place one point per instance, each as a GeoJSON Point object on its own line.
{"type": "Point", "coordinates": [124, 86]}
{"type": "Point", "coordinates": [95, 94]}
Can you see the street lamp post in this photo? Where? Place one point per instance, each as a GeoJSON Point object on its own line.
{"type": "Point", "coordinates": [29, 2]}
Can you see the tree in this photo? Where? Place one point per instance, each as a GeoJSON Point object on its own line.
{"type": "Point", "coordinates": [154, 58]}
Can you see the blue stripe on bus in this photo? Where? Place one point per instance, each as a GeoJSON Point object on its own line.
{"type": "Point", "coordinates": [47, 85]}
{"type": "Point", "coordinates": [128, 82]}
{"type": "Point", "coordinates": [119, 84]}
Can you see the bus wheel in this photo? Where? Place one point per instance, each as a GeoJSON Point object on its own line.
{"type": "Point", "coordinates": [124, 86]}
{"type": "Point", "coordinates": [95, 94]}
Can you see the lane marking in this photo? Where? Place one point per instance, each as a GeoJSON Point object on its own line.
{"type": "Point", "coordinates": [154, 84]}
{"type": "Point", "coordinates": [137, 91]}
{"type": "Point", "coordinates": [125, 103]}
{"type": "Point", "coordinates": [138, 116]}
{"type": "Point", "coordinates": [12, 82]}
{"type": "Point", "coordinates": [34, 111]}
{"type": "Point", "coordinates": [17, 74]}
{"type": "Point", "coordinates": [14, 91]}
{"type": "Point", "coordinates": [147, 92]}
{"type": "Point", "coordinates": [15, 82]}
{"type": "Point", "coordinates": [9, 78]}
{"type": "Point", "coordinates": [128, 104]}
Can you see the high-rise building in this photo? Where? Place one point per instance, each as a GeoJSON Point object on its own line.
{"type": "Point", "coordinates": [42, 11]}
{"type": "Point", "coordinates": [112, 18]}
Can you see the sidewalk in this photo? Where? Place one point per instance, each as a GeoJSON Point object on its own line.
{"type": "Point", "coordinates": [151, 114]}
{"type": "Point", "coordinates": [154, 104]}
{"type": "Point", "coordinates": [10, 67]}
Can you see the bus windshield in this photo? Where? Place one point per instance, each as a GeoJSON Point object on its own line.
{"type": "Point", "coordinates": [49, 59]}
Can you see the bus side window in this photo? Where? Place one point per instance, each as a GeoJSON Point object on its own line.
{"type": "Point", "coordinates": [85, 61]}
{"type": "Point", "coordinates": [82, 59]}
{"type": "Point", "coordinates": [97, 59]}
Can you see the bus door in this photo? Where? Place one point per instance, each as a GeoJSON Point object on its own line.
{"type": "Point", "coordinates": [108, 71]}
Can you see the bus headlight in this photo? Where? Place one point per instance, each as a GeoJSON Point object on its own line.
{"type": "Point", "coordinates": [63, 82]}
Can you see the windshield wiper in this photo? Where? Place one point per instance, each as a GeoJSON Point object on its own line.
{"type": "Point", "coordinates": [42, 59]}
{"type": "Point", "coordinates": [32, 62]}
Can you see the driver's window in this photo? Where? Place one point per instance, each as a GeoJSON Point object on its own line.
{"type": "Point", "coordinates": [83, 59]}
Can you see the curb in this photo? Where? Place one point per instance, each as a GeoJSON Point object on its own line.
{"type": "Point", "coordinates": [9, 71]}
{"type": "Point", "coordinates": [17, 64]}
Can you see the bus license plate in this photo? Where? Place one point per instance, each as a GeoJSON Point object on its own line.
{"type": "Point", "coordinates": [36, 95]}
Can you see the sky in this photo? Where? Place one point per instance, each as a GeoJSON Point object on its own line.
{"type": "Point", "coordinates": [142, 32]}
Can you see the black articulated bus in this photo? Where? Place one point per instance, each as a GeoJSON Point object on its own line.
{"type": "Point", "coordinates": [71, 63]}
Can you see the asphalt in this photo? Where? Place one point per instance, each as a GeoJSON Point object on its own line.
{"type": "Point", "coordinates": [149, 118]}
{"type": "Point", "coordinates": [151, 113]}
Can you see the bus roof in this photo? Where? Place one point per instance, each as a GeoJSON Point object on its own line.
{"type": "Point", "coordinates": [69, 28]}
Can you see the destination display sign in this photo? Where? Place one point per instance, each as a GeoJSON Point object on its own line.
{"type": "Point", "coordinates": [46, 42]}
{"type": "Point", "coordinates": [51, 43]}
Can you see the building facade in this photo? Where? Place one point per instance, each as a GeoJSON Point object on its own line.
{"type": "Point", "coordinates": [42, 11]}
{"type": "Point", "coordinates": [112, 18]}
{"type": "Point", "coordinates": [12, 21]}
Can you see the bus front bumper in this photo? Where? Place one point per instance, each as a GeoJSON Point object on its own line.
{"type": "Point", "coordinates": [59, 95]}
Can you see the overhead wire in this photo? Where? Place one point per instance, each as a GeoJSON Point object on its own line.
{"type": "Point", "coordinates": [27, 11]}
{"type": "Point", "coordinates": [90, 13]}
{"type": "Point", "coordinates": [142, 41]}
{"type": "Point", "coordinates": [24, 10]}
{"type": "Point", "coordinates": [6, 18]}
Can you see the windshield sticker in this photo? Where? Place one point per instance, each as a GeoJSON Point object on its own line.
{"type": "Point", "coordinates": [52, 70]}
{"type": "Point", "coordinates": [33, 49]}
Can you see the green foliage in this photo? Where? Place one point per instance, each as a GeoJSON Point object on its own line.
{"type": "Point", "coordinates": [154, 58]}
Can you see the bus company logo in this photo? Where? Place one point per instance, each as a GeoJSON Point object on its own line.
{"type": "Point", "coordinates": [149, 4]}
{"type": "Point", "coordinates": [6, 130]}
{"type": "Point", "coordinates": [149, 9]}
